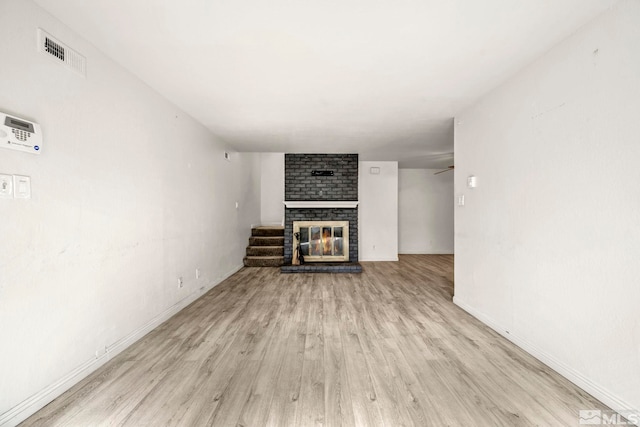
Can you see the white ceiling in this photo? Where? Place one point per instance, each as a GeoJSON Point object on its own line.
{"type": "Point", "coordinates": [382, 78]}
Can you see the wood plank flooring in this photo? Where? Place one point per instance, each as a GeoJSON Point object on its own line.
{"type": "Point", "coordinates": [385, 347]}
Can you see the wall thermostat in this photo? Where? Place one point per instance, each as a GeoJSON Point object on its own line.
{"type": "Point", "coordinates": [19, 134]}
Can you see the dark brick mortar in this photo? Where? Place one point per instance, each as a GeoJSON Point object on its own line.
{"type": "Point", "coordinates": [299, 185]}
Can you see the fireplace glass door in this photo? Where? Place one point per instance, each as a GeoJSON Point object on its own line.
{"type": "Point", "coordinates": [322, 240]}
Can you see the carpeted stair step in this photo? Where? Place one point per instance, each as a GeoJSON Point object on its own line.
{"type": "Point", "coordinates": [263, 261]}
{"type": "Point", "coordinates": [265, 251]}
{"type": "Point", "coordinates": [266, 247]}
{"type": "Point", "coordinates": [268, 231]}
{"type": "Point", "coordinates": [266, 241]}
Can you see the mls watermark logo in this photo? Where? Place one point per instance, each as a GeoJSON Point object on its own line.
{"type": "Point", "coordinates": [591, 417]}
{"type": "Point", "coordinates": [597, 417]}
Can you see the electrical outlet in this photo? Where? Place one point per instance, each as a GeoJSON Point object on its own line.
{"type": "Point", "coordinates": [101, 352]}
{"type": "Point", "coordinates": [180, 282]}
{"type": "Point", "coordinates": [6, 186]}
{"type": "Point", "coordinates": [197, 273]}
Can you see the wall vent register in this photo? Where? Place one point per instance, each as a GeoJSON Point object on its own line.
{"type": "Point", "coordinates": [61, 53]}
{"type": "Point", "coordinates": [53, 48]}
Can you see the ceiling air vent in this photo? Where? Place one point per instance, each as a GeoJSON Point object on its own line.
{"type": "Point", "coordinates": [58, 51]}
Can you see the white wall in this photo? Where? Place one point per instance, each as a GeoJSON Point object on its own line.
{"type": "Point", "coordinates": [425, 211]}
{"type": "Point", "coordinates": [129, 194]}
{"type": "Point", "coordinates": [378, 212]}
{"type": "Point", "coordinates": [548, 244]}
{"type": "Point", "coordinates": [272, 188]}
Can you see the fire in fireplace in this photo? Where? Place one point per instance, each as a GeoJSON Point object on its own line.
{"type": "Point", "coordinates": [322, 241]}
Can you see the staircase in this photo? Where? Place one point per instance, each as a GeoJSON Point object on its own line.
{"type": "Point", "coordinates": [266, 247]}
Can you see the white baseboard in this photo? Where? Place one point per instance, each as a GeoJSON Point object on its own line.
{"type": "Point", "coordinates": [30, 406]}
{"type": "Point", "coordinates": [430, 252]}
{"type": "Point", "coordinates": [597, 391]}
{"type": "Point", "coordinates": [378, 259]}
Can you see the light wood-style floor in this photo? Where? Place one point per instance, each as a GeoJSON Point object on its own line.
{"type": "Point", "coordinates": [387, 347]}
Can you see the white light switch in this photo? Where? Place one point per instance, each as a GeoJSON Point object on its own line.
{"type": "Point", "coordinates": [461, 200]}
{"type": "Point", "coordinates": [6, 187]}
{"type": "Point", "coordinates": [21, 187]}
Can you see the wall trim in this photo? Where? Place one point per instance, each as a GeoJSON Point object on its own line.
{"type": "Point", "coordinates": [431, 252]}
{"type": "Point", "coordinates": [597, 391]}
{"type": "Point", "coordinates": [311, 204]}
{"type": "Point", "coordinates": [379, 259]}
{"type": "Point", "coordinates": [33, 404]}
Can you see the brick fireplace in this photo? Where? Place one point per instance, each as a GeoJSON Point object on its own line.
{"type": "Point", "coordinates": [321, 187]}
